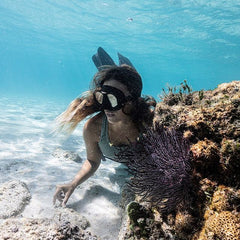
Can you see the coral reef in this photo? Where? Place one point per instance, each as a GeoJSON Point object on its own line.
{"type": "Point", "coordinates": [210, 121]}
{"type": "Point", "coordinates": [26, 228]}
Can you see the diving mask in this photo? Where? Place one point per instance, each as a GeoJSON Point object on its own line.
{"type": "Point", "coordinates": [110, 98]}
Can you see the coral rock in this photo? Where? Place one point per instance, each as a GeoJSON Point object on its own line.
{"type": "Point", "coordinates": [224, 226]}
{"type": "Point", "coordinates": [66, 155]}
{"type": "Point", "coordinates": [230, 159]}
{"type": "Point", "coordinates": [224, 199]}
{"type": "Point", "coordinates": [29, 229]}
{"type": "Point", "coordinates": [14, 196]}
{"type": "Point", "coordinates": [206, 157]}
{"type": "Point", "coordinates": [63, 215]}
{"type": "Point", "coordinates": [184, 224]}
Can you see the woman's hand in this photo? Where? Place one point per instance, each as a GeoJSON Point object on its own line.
{"type": "Point", "coordinates": [62, 193]}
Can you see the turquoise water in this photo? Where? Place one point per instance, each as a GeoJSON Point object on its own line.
{"type": "Point", "coordinates": [46, 46]}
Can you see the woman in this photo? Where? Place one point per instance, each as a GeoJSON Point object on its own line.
{"type": "Point", "coordinates": [122, 114]}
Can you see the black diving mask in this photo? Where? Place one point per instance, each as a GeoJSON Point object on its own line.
{"type": "Point", "coordinates": [110, 98]}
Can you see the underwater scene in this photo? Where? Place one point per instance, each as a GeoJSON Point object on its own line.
{"type": "Point", "coordinates": [184, 172]}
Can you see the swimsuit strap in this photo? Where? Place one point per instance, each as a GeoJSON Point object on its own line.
{"type": "Point", "coordinates": [104, 128]}
{"type": "Point", "coordinates": [104, 134]}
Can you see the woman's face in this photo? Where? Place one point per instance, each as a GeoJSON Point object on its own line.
{"type": "Point", "coordinates": [118, 115]}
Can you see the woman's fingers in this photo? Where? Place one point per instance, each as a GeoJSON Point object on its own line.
{"type": "Point", "coordinates": [67, 196]}
{"type": "Point", "coordinates": [59, 195]}
{"type": "Point", "coordinates": [55, 198]}
{"type": "Point", "coordinates": [62, 194]}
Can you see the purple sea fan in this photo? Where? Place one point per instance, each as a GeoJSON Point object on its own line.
{"type": "Point", "coordinates": [161, 167]}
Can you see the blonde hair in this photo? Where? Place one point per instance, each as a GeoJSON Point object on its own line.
{"type": "Point", "coordinates": [77, 110]}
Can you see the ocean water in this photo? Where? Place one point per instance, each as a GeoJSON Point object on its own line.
{"type": "Point", "coordinates": [45, 61]}
{"type": "Point", "coordinates": [46, 46]}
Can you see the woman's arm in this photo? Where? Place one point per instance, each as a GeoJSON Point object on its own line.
{"type": "Point", "coordinates": [91, 135]}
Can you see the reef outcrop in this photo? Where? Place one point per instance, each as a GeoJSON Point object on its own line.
{"type": "Point", "coordinates": [14, 196]}
{"type": "Point", "coordinates": [28, 228]}
{"type": "Point", "coordinates": [210, 122]}
{"type": "Point", "coordinates": [64, 224]}
{"type": "Point", "coordinates": [64, 155]}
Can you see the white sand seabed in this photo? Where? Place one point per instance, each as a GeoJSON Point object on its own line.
{"type": "Point", "coordinates": [26, 148]}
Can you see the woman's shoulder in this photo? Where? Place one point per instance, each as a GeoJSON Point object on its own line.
{"type": "Point", "coordinates": [93, 125]}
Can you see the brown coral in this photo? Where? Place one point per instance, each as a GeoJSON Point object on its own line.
{"type": "Point", "coordinates": [164, 115]}
{"type": "Point", "coordinates": [184, 224]}
{"type": "Point", "coordinates": [222, 214]}
{"type": "Point", "coordinates": [230, 160]}
{"type": "Point", "coordinates": [224, 226]}
{"type": "Point", "coordinates": [205, 157]}
{"type": "Point", "coordinates": [230, 152]}
{"type": "Point", "coordinates": [220, 201]}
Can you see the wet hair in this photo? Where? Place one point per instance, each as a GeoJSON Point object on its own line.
{"type": "Point", "coordinates": [123, 74]}
{"type": "Point", "coordinates": [140, 109]}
